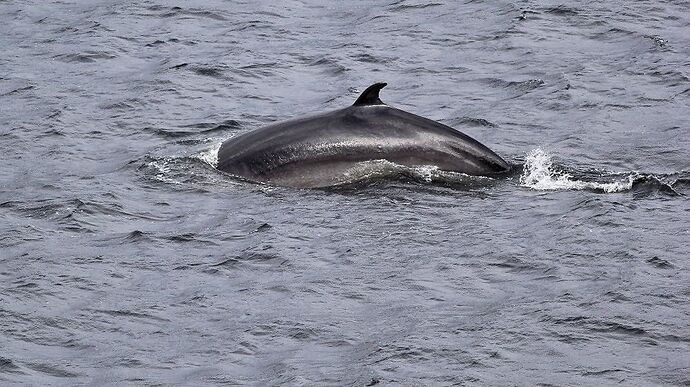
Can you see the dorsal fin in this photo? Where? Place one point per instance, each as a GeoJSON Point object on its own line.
{"type": "Point", "coordinates": [370, 96]}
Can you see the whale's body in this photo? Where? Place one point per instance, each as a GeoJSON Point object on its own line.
{"type": "Point", "coordinates": [321, 150]}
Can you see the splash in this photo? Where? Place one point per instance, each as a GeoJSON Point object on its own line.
{"type": "Point", "coordinates": [540, 174]}
{"type": "Point", "coordinates": [210, 155]}
{"type": "Point", "coordinates": [427, 172]}
{"type": "Point", "coordinates": [161, 170]}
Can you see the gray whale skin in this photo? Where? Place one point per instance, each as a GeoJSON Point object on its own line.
{"type": "Point", "coordinates": [323, 150]}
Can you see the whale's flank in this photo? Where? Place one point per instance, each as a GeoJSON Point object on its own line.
{"type": "Point", "coordinates": [317, 151]}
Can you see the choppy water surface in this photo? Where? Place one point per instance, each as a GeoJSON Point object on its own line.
{"type": "Point", "coordinates": [126, 258]}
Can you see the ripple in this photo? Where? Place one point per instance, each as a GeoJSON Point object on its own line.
{"type": "Point", "coordinates": [8, 366]}
{"type": "Point", "coordinates": [562, 10]}
{"type": "Point", "coordinates": [85, 57]}
{"type": "Point", "coordinates": [646, 185]}
{"type": "Point", "coordinates": [17, 90]}
{"type": "Point", "coordinates": [206, 128]}
{"type": "Point", "coordinates": [410, 7]}
{"type": "Point", "coordinates": [182, 13]}
{"type": "Point", "coordinates": [518, 87]}
{"type": "Point", "coordinates": [210, 71]}
{"type": "Point", "coordinates": [52, 370]}
{"type": "Point", "coordinates": [210, 127]}
{"type": "Point", "coordinates": [472, 121]}
{"type": "Point", "coordinates": [189, 237]}
{"type": "Point", "coordinates": [329, 64]}
{"type": "Point", "coordinates": [130, 314]}
{"type": "Point", "coordinates": [138, 236]}
{"type": "Point", "coordinates": [659, 263]}
{"type": "Point", "coordinates": [250, 260]}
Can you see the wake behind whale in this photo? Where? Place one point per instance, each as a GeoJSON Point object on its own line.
{"type": "Point", "coordinates": [326, 149]}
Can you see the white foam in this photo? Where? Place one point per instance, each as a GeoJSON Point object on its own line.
{"type": "Point", "coordinates": [210, 155]}
{"type": "Point", "coordinates": [427, 172]}
{"type": "Point", "coordinates": [539, 174]}
{"type": "Point", "coordinates": [162, 171]}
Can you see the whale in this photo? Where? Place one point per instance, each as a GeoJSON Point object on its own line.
{"type": "Point", "coordinates": [323, 150]}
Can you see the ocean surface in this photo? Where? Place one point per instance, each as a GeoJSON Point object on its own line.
{"type": "Point", "coordinates": [126, 258]}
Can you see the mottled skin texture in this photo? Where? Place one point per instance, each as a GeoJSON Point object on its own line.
{"type": "Point", "coordinates": [318, 151]}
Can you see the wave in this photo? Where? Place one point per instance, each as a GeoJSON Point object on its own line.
{"type": "Point", "coordinates": [540, 173]}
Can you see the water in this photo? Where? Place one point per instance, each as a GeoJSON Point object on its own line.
{"type": "Point", "coordinates": [126, 258]}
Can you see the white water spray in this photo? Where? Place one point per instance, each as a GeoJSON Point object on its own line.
{"type": "Point", "coordinates": [539, 174]}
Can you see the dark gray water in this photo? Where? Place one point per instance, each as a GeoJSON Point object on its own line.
{"type": "Point", "coordinates": [126, 258]}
